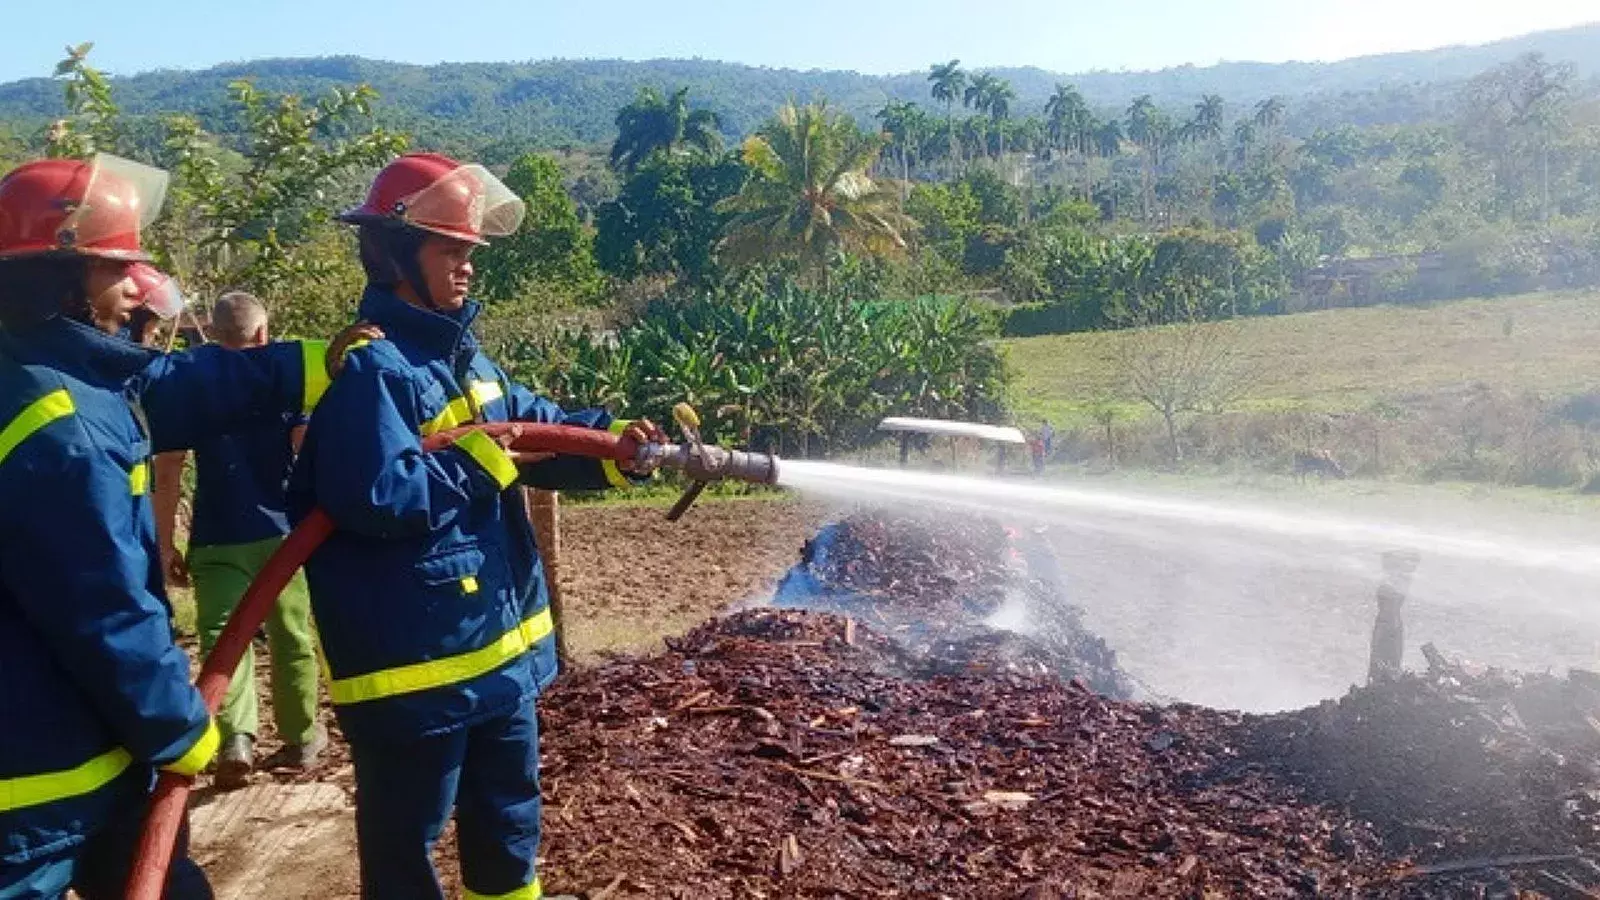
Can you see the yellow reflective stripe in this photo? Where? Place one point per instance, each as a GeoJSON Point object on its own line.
{"type": "Point", "coordinates": [199, 754]}
{"type": "Point", "coordinates": [614, 476]}
{"type": "Point", "coordinates": [469, 585]}
{"type": "Point", "coordinates": [527, 892]}
{"type": "Point", "coordinates": [491, 456]}
{"type": "Point", "coordinates": [441, 672]}
{"type": "Point", "coordinates": [38, 414]}
{"type": "Point", "coordinates": [139, 479]}
{"type": "Point", "coordinates": [314, 382]}
{"type": "Point", "coordinates": [464, 411]}
{"type": "Point", "coordinates": [457, 412]}
{"type": "Point", "coordinates": [33, 790]}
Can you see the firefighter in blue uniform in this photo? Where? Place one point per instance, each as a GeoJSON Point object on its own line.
{"type": "Point", "coordinates": [430, 599]}
{"type": "Point", "coordinates": [94, 695]}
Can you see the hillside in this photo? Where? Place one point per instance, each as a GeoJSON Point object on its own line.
{"type": "Point", "coordinates": [558, 102]}
{"type": "Point", "coordinates": [1350, 359]}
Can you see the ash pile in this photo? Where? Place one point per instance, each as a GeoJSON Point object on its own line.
{"type": "Point", "coordinates": [1487, 781]}
{"type": "Point", "coordinates": [958, 593]}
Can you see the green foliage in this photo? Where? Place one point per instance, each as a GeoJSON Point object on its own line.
{"type": "Point", "coordinates": [93, 122]}
{"type": "Point", "coordinates": [653, 124]}
{"type": "Point", "coordinates": [999, 203]}
{"type": "Point", "coordinates": [261, 221]}
{"type": "Point", "coordinates": [253, 218]}
{"type": "Point", "coordinates": [668, 218]}
{"type": "Point", "coordinates": [1228, 198]}
{"type": "Point", "coordinates": [552, 253]}
{"type": "Point", "coordinates": [948, 214]}
{"type": "Point", "coordinates": [810, 196]}
{"type": "Point", "coordinates": [12, 149]}
{"type": "Point", "coordinates": [770, 363]}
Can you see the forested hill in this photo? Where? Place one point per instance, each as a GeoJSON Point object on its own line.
{"type": "Point", "coordinates": [558, 102]}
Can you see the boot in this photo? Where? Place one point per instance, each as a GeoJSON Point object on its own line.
{"type": "Point", "coordinates": [235, 762]}
{"type": "Point", "coordinates": [304, 756]}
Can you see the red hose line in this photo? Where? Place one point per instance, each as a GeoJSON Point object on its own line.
{"type": "Point", "coordinates": [168, 801]}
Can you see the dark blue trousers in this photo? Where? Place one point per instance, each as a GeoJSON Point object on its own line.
{"type": "Point", "coordinates": [405, 791]}
{"type": "Point", "coordinates": [98, 868]}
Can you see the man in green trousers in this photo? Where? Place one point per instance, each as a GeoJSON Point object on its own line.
{"type": "Point", "coordinates": [238, 522]}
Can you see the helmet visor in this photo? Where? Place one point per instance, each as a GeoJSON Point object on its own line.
{"type": "Point", "coordinates": [469, 203]}
{"type": "Point", "coordinates": [158, 292]}
{"type": "Point", "coordinates": [122, 198]}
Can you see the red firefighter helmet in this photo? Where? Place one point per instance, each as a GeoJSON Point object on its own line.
{"type": "Point", "coordinates": [438, 194]}
{"type": "Point", "coordinates": [68, 206]}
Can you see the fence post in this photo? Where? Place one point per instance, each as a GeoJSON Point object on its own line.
{"type": "Point", "coordinates": [544, 512]}
{"type": "Point", "coordinates": [1388, 630]}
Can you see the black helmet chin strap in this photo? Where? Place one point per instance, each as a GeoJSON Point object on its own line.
{"type": "Point", "coordinates": [392, 252]}
{"type": "Point", "coordinates": [411, 270]}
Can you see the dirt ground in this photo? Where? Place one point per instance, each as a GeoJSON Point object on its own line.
{"type": "Point", "coordinates": [629, 576]}
{"type": "Point", "coordinates": [628, 579]}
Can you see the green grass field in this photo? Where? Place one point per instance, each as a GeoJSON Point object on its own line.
{"type": "Point", "coordinates": [1349, 358]}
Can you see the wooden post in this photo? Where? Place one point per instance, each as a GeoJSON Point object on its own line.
{"type": "Point", "coordinates": [1388, 631]}
{"type": "Point", "coordinates": [544, 512]}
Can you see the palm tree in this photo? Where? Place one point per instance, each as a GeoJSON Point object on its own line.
{"type": "Point", "coordinates": [1269, 113]}
{"type": "Point", "coordinates": [652, 124]}
{"type": "Point", "coordinates": [1071, 125]}
{"type": "Point", "coordinates": [975, 134]}
{"type": "Point", "coordinates": [810, 196]}
{"type": "Point", "coordinates": [1244, 137]}
{"type": "Point", "coordinates": [1066, 113]}
{"type": "Point", "coordinates": [1108, 138]}
{"type": "Point", "coordinates": [906, 125]}
{"type": "Point", "coordinates": [1206, 126]}
{"type": "Point", "coordinates": [1269, 116]}
{"type": "Point", "coordinates": [1150, 128]}
{"type": "Point", "coordinates": [998, 103]}
{"type": "Point", "coordinates": [949, 83]}
{"type": "Point", "coordinates": [979, 87]}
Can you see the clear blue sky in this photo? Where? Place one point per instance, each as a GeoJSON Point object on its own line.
{"type": "Point", "coordinates": [875, 36]}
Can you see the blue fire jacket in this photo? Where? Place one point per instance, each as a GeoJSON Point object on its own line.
{"type": "Point", "coordinates": [93, 692]}
{"type": "Point", "coordinates": [430, 598]}
{"type": "Point", "coordinates": [239, 485]}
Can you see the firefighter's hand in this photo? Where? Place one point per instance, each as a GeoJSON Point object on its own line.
{"type": "Point", "coordinates": [176, 566]}
{"type": "Point", "coordinates": [642, 431]}
{"type": "Point", "coordinates": [347, 340]}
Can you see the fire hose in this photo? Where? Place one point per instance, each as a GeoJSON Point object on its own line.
{"type": "Point", "coordinates": [700, 462]}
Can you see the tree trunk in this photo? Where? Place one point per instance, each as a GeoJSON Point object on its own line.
{"type": "Point", "coordinates": [1170, 417]}
{"type": "Point", "coordinates": [1544, 181]}
{"type": "Point", "coordinates": [955, 147]}
{"type": "Point", "coordinates": [1088, 176]}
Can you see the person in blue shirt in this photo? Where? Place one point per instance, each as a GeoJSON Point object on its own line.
{"type": "Point", "coordinates": [430, 599]}
{"type": "Point", "coordinates": [94, 694]}
{"type": "Point", "coordinates": [238, 522]}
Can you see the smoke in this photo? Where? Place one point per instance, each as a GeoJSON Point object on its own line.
{"type": "Point", "coordinates": [1269, 607]}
